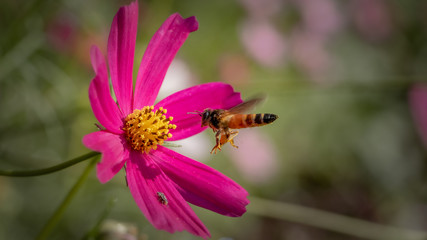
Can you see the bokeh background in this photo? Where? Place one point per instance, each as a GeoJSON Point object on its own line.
{"type": "Point", "coordinates": [345, 77]}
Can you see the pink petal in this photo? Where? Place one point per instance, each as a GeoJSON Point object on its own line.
{"type": "Point", "coordinates": [103, 105]}
{"type": "Point", "coordinates": [210, 95]}
{"type": "Point", "coordinates": [97, 60]}
{"type": "Point", "coordinates": [159, 54]}
{"type": "Point", "coordinates": [418, 103]}
{"type": "Point", "coordinates": [202, 185]}
{"type": "Point", "coordinates": [145, 180]}
{"type": "Point", "coordinates": [114, 153]}
{"type": "Point", "coordinates": [121, 49]}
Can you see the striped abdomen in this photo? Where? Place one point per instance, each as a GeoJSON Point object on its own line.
{"type": "Point", "coordinates": [250, 120]}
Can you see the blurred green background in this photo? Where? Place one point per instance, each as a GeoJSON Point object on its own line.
{"type": "Point", "coordinates": [337, 73]}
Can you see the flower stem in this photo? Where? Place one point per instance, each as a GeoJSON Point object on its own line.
{"type": "Point", "coordinates": [44, 171]}
{"type": "Point", "coordinates": [330, 221]}
{"type": "Point", "coordinates": [61, 209]}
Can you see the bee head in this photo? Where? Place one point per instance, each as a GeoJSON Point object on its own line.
{"type": "Point", "coordinates": [206, 117]}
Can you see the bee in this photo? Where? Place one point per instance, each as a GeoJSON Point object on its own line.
{"type": "Point", "coordinates": [222, 121]}
{"type": "Point", "coordinates": [162, 198]}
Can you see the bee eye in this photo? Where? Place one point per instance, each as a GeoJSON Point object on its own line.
{"type": "Point", "coordinates": [206, 115]}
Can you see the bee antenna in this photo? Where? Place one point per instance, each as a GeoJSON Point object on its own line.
{"type": "Point", "coordinates": [195, 112]}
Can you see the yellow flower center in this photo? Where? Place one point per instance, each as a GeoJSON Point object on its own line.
{"type": "Point", "coordinates": [144, 129]}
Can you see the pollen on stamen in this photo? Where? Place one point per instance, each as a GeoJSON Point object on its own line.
{"type": "Point", "coordinates": [145, 129]}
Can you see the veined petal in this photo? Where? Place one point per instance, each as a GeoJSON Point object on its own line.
{"type": "Point", "coordinates": [146, 180]}
{"type": "Point", "coordinates": [114, 153]}
{"type": "Point", "coordinates": [121, 50]}
{"type": "Point", "coordinates": [103, 105]}
{"type": "Point", "coordinates": [158, 56]}
{"type": "Point", "coordinates": [202, 185]}
{"type": "Point", "coordinates": [215, 95]}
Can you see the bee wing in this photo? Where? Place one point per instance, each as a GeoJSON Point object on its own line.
{"type": "Point", "coordinates": [246, 106]}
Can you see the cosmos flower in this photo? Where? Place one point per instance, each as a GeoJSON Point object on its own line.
{"type": "Point", "coordinates": [160, 180]}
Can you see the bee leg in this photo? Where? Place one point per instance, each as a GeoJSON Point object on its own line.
{"type": "Point", "coordinates": [232, 143]}
{"type": "Point", "coordinates": [218, 143]}
{"type": "Point", "coordinates": [231, 136]}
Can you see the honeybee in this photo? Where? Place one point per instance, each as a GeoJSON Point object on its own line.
{"type": "Point", "coordinates": [222, 121]}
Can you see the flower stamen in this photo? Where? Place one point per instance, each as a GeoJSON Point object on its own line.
{"type": "Point", "coordinates": [144, 128]}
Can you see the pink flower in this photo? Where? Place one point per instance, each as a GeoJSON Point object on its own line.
{"type": "Point", "coordinates": [160, 180]}
{"type": "Point", "coordinates": [320, 17]}
{"type": "Point", "coordinates": [310, 53]}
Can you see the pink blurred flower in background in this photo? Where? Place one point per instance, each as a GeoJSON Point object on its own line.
{"type": "Point", "coordinates": [319, 17]}
{"type": "Point", "coordinates": [263, 42]}
{"type": "Point", "coordinates": [160, 180]}
{"type": "Point", "coordinates": [261, 39]}
{"type": "Point", "coordinates": [62, 32]}
{"type": "Point", "coordinates": [320, 21]}
{"type": "Point", "coordinates": [309, 52]}
{"type": "Point", "coordinates": [372, 18]}
{"type": "Point", "coordinates": [418, 105]}
{"type": "Point", "coordinates": [304, 43]}
{"type": "Point", "coordinates": [256, 157]}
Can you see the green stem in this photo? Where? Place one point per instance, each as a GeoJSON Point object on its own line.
{"type": "Point", "coordinates": [38, 172]}
{"type": "Point", "coordinates": [330, 221]}
{"type": "Point", "coordinates": [61, 209]}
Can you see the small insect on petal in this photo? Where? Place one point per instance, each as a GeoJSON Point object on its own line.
{"type": "Point", "coordinates": [162, 198]}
